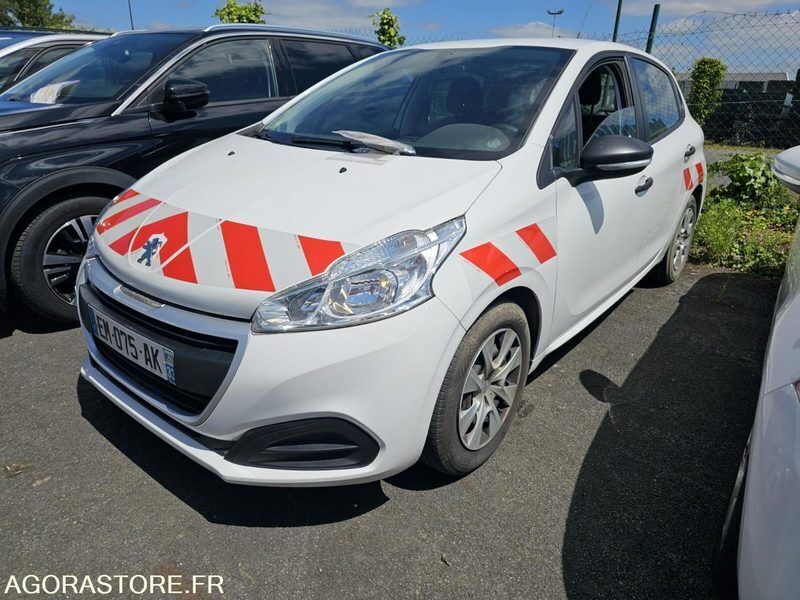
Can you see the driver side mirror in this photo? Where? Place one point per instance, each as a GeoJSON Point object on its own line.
{"type": "Point", "coordinates": [182, 95]}
{"type": "Point", "coordinates": [611, 156]}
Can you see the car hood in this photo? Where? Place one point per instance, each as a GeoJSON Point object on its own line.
{"type": "Point", "coordinates": [225, 225]}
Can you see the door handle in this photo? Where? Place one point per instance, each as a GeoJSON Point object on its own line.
{"type": "Point", "coordinates": [690, 150]}
{"type": "Point", "coordinates": [648, 183]}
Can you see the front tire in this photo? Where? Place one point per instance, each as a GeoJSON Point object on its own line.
{"type": "Point", "coordinates": [481, 392]}
{"type": "Point", "coordinates": [669, 269]}
{"type": "Point", "coordinates": [46, 257]}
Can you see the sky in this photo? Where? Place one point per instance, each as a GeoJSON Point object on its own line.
{"type": "Point", "coordinates": [420, 20]}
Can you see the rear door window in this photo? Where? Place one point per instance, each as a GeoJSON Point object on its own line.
{"type": "Point", "coordinates": [659, 101]}
{"type": "Point", "coordinates": [313, 61]}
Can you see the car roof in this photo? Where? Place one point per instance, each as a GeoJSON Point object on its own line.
{"type": "Point", "coordinates": [593, 46]}
{"type": "Point", "coordinates": [22, 39]}
{"type": "Point", "coordinates": [250, 28]}
{"type": "Point", "coordinates": [584, 47]}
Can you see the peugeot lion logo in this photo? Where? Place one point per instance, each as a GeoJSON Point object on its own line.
{"type": "Point", "coordinates": [150, 249]}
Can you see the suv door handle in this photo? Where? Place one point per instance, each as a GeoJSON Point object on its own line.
{"type": "Point", "coordinates": [646, 185]}
{"type": "Point", "coordinates": [690, 150]}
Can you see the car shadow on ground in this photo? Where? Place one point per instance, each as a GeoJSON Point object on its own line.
{"type": "Point", "coordinates": [16, 318]}
{"type": "Point", "coordinates": [218, 501]}
{"type": "Point", "coordinates": [650, 499]}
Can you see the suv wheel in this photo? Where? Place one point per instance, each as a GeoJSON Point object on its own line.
{"type": "Point", "coordinates": [45, 260]}
{"type": "Point", "coordinates": [480, 393]}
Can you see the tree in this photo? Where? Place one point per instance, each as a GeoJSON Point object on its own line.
{"type": "Point", "coordinates": [387, 28]}
{"type": "Point", "coordinates": [248, 12]}
{"type": "Point", "coordinates": [705, 95]}
{"type": "Point", "coordinates": [34, 13]}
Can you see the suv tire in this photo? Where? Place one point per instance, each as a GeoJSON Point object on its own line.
{"type": "Point", "coordinates": [72, 220]}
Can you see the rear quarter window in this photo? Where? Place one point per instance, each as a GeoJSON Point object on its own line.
{"type": "Point", "coordinates": [361, 52]}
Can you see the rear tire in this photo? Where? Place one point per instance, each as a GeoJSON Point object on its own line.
{"type": "Point", "coordinates": [475, 407]}
{"type": "Point", "coordinates": [670, 267]}
{"type": "Point", "coordinates": [62, 232]}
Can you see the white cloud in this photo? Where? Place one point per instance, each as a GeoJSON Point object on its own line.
{"type": "Point", "coordinates": [329, 14]}
{"type": "Point", "coordinates": [374, 5]}
{"type": "Point", "coordinates": [532, 29]}
{"type": "Point", "coordinates": [690, 7]}
{"type": "Point", "coordinates": [318, 14]}
{"type": "Point", "coordinates": [745, 43]}
{"type": "Point", "coordinates": [156, 25]}
{"type": "Point", "coordinates": [430, 26]}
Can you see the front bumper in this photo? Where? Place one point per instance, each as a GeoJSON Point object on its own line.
{"type": "Point", "coordinates": [382, 377]}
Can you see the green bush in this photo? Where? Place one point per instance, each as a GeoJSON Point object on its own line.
{"type": "Point", "coordinates": [746, 224]}
{"type": "Point", "coordinates": [705, 95]}
{"type": "Point", "coordinates": [715, 239]}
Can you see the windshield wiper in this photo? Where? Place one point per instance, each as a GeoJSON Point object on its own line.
{"type": "Point", "coordinates": [377, 142]}
{"type": "Point", "coordinates": [306, 140]}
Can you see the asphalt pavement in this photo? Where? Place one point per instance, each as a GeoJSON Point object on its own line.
{"type": "Point", "coordinates": [612, 483]}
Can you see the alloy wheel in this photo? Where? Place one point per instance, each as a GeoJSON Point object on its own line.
{"type": "Point", "coordinates": [490, 388]}
{"type": "Point", "coordinates": [683, 239]}
{"type": "Point", "coordinates": [63, 254]}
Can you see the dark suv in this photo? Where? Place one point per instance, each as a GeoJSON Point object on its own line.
{"type": "Point", "coordinates": [83, 129]}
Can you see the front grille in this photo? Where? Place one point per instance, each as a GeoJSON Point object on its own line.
{"type": "Point", "coordinates": [201, 361]}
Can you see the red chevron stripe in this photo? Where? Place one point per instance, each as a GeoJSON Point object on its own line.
{"type": "Point", "coordinates": [700, 173]}
{"type": "Point", "coordinates": [489, 259]}
{"type": "Point", "coordinates": [687, 179]}
{"type": "Point", "coordinates": [320, 253]}
{"type": "Point", "coordinates": [175, 230]}
{"type": "Point", "coordinates": [537, 241]}
{"type": "Point", "coordinates": [126, 214]}
{"type": "Point", "coordinates": [246, 258]}
{"type": "Point", "coordinates": [130, 193]}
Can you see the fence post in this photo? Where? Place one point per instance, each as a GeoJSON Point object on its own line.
{"type": "Point", "coordinates": [616, 21]}
{"type": "Point", "coordinates": [652, 33]}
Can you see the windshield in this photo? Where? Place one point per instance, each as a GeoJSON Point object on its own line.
{"type": "Point", "coordinates": [101, 71]}
{"type": "Point", "coordinates": [474, 103]}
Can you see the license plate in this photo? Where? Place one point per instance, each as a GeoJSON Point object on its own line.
{"type": "Point", "coordinates": [155, 358]}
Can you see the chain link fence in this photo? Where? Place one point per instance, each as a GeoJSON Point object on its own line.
{"type": "Point", "coordinates": [760, 102]}
{"type": "Point", "coordinates": [759, 107]}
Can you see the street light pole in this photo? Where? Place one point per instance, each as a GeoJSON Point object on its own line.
{"type": "Point", "coordinates": [554, 14]}
{"type": "Point", "coordinates": [130, 13]}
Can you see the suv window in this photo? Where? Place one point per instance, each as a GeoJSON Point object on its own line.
{"type": "Point", "coordinates": [47, 57]}
{"type": "Point", "coordinates": [232, 70]}
{"type": "Point", "coordinates": [314, 61]}
{"type": "Point", "coordinates": [659, 101]}
{"type": "Point", "coordinates": [362, 52]}
{"type": "Point", "coordinates": [11, 65]}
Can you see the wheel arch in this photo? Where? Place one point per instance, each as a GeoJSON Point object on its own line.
{"type": "Point", "coordinates": [697, 192]}
{"type": "Point", "coordinates": [524, 297]}
{"type": "Point", "coordinates": [48, 191]}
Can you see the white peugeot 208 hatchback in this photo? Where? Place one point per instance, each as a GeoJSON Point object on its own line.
{"type": "Point", "coordinates": [368, 276]}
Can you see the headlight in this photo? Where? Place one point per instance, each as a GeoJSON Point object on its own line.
{"type": "Point", "coordinates": [377, 281]}
{"type": "Point", "coordinates": [91, 247]}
